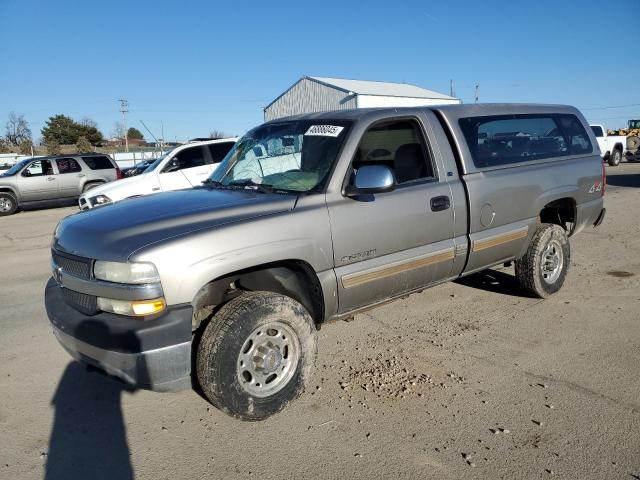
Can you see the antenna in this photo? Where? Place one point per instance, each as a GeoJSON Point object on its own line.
{"type": "Point", "coordinates": [452, 91]}
{"type": "Point", "coordinates": [477, 92]}
{"type": "Point", "coordinates": [124, 109]}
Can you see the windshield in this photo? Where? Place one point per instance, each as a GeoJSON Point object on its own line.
{"type": "Point", "coordinates": [634, 123]}
{"type": "Point", "coordinates": [17, 167]}
{"type": "Point", "coordinates": [157, 162]}
{"type": "Point", "coordinates": [292, 156]}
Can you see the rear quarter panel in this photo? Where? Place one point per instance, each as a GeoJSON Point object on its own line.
{"type": "Point", "coordinates": [515, 196]}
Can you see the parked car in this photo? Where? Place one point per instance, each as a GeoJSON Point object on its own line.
{"type": "Point", "coordinates": [612, 147]}
{"type": "Point", "coordinates": [138, 168]}
{"type": "Point", "coordinates": [56, 179]}
{"type": "Point", "coordinates": [185, 166]}
{"type": "Point", "coordinates": [312, 218]}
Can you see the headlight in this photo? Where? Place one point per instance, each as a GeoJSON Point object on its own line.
{"type": "Point", "coordinates": [140, 308]}
{"type": "Point", "coordinates": [99, 200]}
{"type": "Point", "coordinates": [133, 273]}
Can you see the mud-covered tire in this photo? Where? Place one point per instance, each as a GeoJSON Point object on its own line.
{"type": "Point", "coordinates": [534, 269]}
{"type": "Point", "coordinates": [8, 204]}
{"type": "Point", "coordinates": [614, 158]}
{"type": "Point", "coordinates": [223, 346]}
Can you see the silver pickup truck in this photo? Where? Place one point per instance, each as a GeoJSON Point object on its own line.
{"type": "Point", "coordinates": [312, 218]}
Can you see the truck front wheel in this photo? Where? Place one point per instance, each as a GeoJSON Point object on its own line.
{"type": "Point", "coordinates": [256, 355]}
{"type": "Point", "coordinates": [614, 158]}
{"type": "Point", "coordinates": [542, 269]}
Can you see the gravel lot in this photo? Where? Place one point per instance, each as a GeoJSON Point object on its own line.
{"type": "Point", "coordinates": [468, 379]}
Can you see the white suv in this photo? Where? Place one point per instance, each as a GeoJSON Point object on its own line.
{"type": "Point", "coordinates": [185, 166]}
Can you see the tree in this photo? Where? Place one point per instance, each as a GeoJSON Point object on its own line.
{"type": "Point", "coordinates": [53, 147]}
{"type": "Point", "coordinates": [26, 147]}
{"type": "Point", "coordinates": [134, 134]}
{"type": "Point", "coordinates": [66, 131]}
{"type": "Point", "coordinates": [88, 122]}
{"type": "Point", "coordinates": [17, 129]}
{"type": "Point", "coordinates": [91, 134]}
{"type": "Point", "coordinates": [60, 129]}
{"type": "Point", "coordinates": [216, 134]}
{"type": "Point", "coordinates": [118, 130]}
{"type": "Point", "coordinates": [83, 145]}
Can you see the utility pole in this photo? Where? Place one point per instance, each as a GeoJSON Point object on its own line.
{"type": "Point", "coordinates": [124, 108]}
{"type": "Point", "coordinates": [477, 92]}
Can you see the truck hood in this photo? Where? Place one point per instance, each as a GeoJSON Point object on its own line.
{"type": "Point", "coordinates": [116, 231]}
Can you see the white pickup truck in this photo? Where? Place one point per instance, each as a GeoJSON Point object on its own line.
{"type": "Point", "coordinates": [612, 147]}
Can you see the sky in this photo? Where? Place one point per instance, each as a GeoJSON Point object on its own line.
{"type": "Point", "coordinates": [198, 66]}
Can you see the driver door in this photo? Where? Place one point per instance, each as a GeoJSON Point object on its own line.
{"type": "Point", "coordinates": [38, 181]}
{"type": "Point", "coordinates": [391, 243]}
{"type": "Point", "coordinates": [187, 168]}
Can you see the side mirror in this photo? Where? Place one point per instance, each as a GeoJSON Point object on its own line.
{"type": "Point", "coordinates": [371, 179]}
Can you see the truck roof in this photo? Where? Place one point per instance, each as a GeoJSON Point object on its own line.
{"type": "Point", "coordinates": [451, 111]}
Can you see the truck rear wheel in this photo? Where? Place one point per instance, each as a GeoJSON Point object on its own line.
{"type": "Point", "coordinates": [614, 158]}
{"type": "Point", "coordinates": [256, 355]}
{"type": "Point", "coordinates": [542, 269]}
{"type": "Point", "coordinates": [8, 204]}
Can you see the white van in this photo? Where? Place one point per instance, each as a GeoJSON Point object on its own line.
{"type": "Point", "coordinates": [185, 166]}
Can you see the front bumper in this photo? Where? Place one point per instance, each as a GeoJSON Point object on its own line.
{"type": "Point", "coordinates": [151, 354]}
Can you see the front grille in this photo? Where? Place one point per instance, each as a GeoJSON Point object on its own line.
{"type": "Point", "coordinates": [84, 303]}
{"type": "Point", "coordinates": [76, 266]}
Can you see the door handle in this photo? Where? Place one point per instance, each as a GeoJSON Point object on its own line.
{"type": "Point", "coordinates": [440, 203]}
{"type": "Point", "coordinates": [81, 175]}
{"type": "Point", "coordinates": [50, 179]}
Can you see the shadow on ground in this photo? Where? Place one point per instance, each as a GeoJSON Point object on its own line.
{"type": "Point", "coordinates": [88, 439]}
{"type": "Point", "coordinates": [632, 180]}
{"type": "Point", "coordinates": [493, 281]}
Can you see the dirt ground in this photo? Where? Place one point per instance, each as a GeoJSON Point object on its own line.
{"type": "Point", "coordinates": [465, 380]}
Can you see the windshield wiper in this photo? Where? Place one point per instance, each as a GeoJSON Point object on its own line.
{"type": "Point", "coordinates": [210, 183]}
{"type": "Point", "coordinates": [260, 187]}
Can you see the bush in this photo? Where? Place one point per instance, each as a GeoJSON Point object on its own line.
{"type": "Point", "coordinates": [53, 147]}
{"type": "Point", "coordinates": [83, 145]}
{"type": "Point", "coordinates": [25, 147]}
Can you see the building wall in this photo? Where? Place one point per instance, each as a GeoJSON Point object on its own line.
{"type": "Point", "coordinates": [369, 101]}
{"type": "Point", "coordinates": [308, 96]}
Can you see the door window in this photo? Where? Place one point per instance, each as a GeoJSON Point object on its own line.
{"type": "Point", "coordinates": [219, 150]}
{"type": "Point", "coordinates": [68, 165]}
{"type": "Point", "coordinates": [189, 158]}
{"type": "Point", "coordinates": [38, 169]}
{"type": "Point", "coordinates": [399, 145]}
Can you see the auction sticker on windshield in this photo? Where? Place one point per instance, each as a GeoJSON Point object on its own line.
{"type": "Point", "coordinates": [324, 130]}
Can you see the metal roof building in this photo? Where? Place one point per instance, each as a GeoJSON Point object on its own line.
{"type": "Point", "coordinates": [317, 94]}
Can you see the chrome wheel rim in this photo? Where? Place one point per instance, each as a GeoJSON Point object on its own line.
{"type": "Point", "coordinates": [552, 261]}
{"type": "Point", "coordinates": [268, 359]}
{"type": "Point", "coordinates": [5, 204]}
